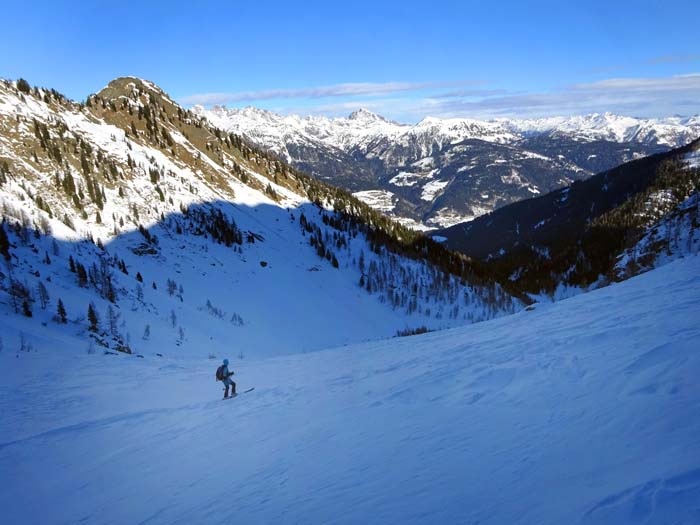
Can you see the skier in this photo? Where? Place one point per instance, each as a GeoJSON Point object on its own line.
{"type": "Point", "coordinates": [227, 379]}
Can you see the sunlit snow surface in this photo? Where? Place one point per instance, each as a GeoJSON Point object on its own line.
{"type": "Point", "coordinates": [363, 128]}
{"type": "Point", "coordinates": [582, 411]}
{"type": "Point", "coordinates": [693, 159]}
{"type": "Point", "coordinates": [422, 160]}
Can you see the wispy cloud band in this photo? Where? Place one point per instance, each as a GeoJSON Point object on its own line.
{"type": "Point", "coordinates": [412, 101]}
{"type": "Point", "coordinates": [640, 96]}
{"type": "Point", "coordinates": [349, 89]}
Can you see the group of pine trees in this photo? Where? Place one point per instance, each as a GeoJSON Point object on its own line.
{"type": "Point", "coordinates": [96, 275]}
{"type": "Point", "coordinates": [212, 221]}
{"type": "Point", "coordinates": [99, 277]}
{"type": "Point", "coordinates": [422, 287]}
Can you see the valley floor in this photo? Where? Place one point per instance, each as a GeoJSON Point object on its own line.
{"type": "Point", "coordinates": [582, 411]}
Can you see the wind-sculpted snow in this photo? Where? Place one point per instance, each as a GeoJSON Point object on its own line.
{"type": "Point", "coordinates": [581, 411]}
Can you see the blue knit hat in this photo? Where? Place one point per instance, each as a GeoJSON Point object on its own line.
{"type": "Point", "coordinates": [225, 361]}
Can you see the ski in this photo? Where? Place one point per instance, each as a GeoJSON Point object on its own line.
{"type": "Point", "coordinates": [239, 393]}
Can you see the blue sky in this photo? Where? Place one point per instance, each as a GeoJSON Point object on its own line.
{"type": "Point", "coordinates": [404, 59]}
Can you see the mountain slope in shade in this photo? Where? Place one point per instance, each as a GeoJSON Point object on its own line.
{"type": "Point", "coordinates": [574, 235]}
{"type": "Point", "coordinates": [675, 236]}
{"type": "Point", "coordinates": [440, 172]}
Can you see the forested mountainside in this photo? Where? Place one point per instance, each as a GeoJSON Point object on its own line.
{"type": "Point", "coordinates": [442, 172]}
{"type": "Point", "coordinates": [675, 235]}
{"type": "Point", "coordinates": [142, 219]}
{"type": "Point", "coordinates": [575, 236]}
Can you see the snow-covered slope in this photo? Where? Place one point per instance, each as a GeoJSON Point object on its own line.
{"type": "Point", "coordinates": [674, 229]}
{"type": "Point", "coordinates": [675, 236]}
{"type": "Point", "coordinates": [672, 131]}
{"type": "Point", "coordinates": [478, 165]}
{"type": "Point", "coordinates": [581, 411]}
{"type": "Point", "coordinates": [192, 243]}
{"type": "Point", "coordinates": [361, 129]}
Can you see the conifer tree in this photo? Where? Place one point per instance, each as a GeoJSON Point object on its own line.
{"type": "Point", "coordinates": [93, 319]}
{"type": "Point", "coordinates": [112, 319]}
{"type": "Point", "coordinates": [26, 308]}
{"type": "Point", "coordinates": [23, 86]}
{"type": "Point", "coordinates": [19, 294]}
{"type": "Point", "coordinates": [82, 275]}
{"type": "Point", "coordinates": [43, 293]}
{"type": "Point", "coordinates": [4, 242]}
{"type": "Point", "coordinates": [61, 311]}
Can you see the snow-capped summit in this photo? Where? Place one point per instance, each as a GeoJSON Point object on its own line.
{"type": "Point", "coordinates": [365, 115]}
{"type": "Point", "coordinates": [671, 132]}
{"type": "Point", "coordinates": [440, 172]}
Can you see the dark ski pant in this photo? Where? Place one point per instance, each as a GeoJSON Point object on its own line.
{"type": "Point", "coordinates": [232, 384]}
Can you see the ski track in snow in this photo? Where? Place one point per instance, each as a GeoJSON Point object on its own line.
{"type": "Point", "coordinates": [582, 411]}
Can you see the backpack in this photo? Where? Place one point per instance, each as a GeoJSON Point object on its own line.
{"type": "Point", "coordinates": [220, 373]}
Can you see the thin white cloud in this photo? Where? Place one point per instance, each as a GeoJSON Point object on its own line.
{"type": "Point", "coordinates": [464, 93]}
{"type": "Point", "coordinates": [349, 89]}
{"type": "Point", "coordinates": [643, 97]}
{"type": "Point", "coordinates": [403, 102]}
{"type": "Point", "coordinates": [669, 59]}
{"type": "Point", "coordinates": [678, 94]}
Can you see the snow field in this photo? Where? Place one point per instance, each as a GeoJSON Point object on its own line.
{"type": "Point", "coordinates": [581, 411]}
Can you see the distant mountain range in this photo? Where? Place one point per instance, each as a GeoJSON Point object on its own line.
{"type": "Point", "coordinates": [609, 227]}
{"type": "Point", "coordinates": [441, 172]}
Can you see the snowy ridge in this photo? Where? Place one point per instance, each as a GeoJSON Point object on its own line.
{"type": "Point", "coordinates": [671, 131]}
{"type": "Point", "coordinates": [362, 128]}
{"type": "Point", "coordinates": [505, 159]}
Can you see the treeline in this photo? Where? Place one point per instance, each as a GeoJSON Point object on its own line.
{"type": "Point", "coordinates": [581, 258]}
